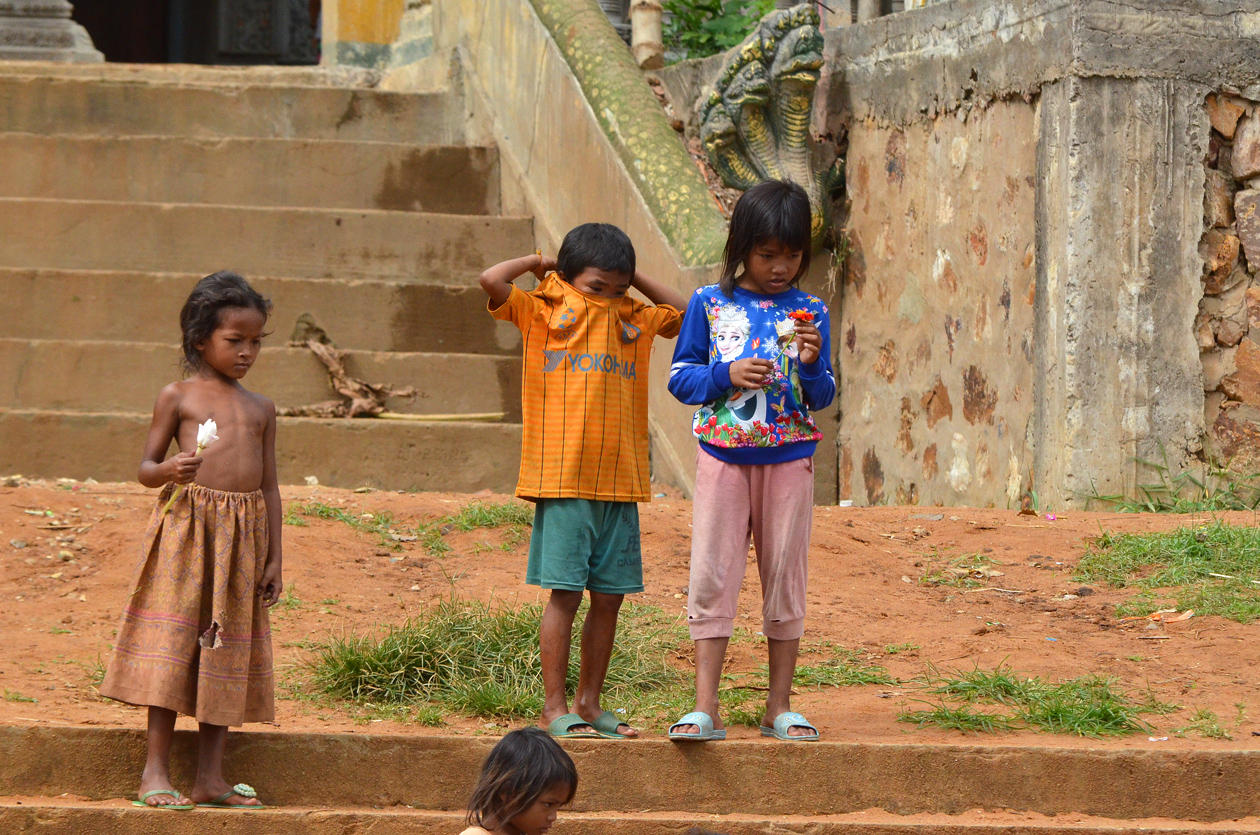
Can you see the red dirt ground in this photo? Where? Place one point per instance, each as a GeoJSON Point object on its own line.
{"type": "Point", "coordinates": [63, 591]}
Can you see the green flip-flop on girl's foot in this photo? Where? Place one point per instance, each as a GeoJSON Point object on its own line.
{"type": "Point", "coordinates": [170, 807]}
{"type": "Point", "coordinates": [240, 790]}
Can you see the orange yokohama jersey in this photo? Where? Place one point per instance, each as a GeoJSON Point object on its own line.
{"type": "Point", "coordinates": [584, 391]}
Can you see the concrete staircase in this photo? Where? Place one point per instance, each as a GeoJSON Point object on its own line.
{"type": "Point", "coordinates": [366, 209]}
{"type": "Point", "coordinates": [70, 780]}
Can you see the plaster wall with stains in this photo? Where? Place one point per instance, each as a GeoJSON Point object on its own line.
{"type": "Point", "coordinates": [934, 339]}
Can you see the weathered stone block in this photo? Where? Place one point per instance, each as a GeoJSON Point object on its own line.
{"type": "Point", "coordinates": [1224, 112]}
{"type": "Point", "coordinates": [1220, 254]}
{"type": "Point", "coordinates": [1247, 217]}
{"type": "Point", "coordinates": [1245, 158]}
{"type": "Point", "coordinates": [1229, 332]}
{"type": "Point", "coordinates": [1204, 332]}
{"type": "Point", "coordinates": [1217, 363]}
{"type": "Point", "coordinates": [1218, 199]}
{"type": "Point", "coordinates": [1236, 437]}
{"type": "Point", "coordinates": [1212, 402]}
{"type": "Point", "coordinates": [1253, 309]}
{"type": "Point", "coordinates": [1244, 384]}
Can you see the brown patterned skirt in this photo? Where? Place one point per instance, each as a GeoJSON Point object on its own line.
{"type": "Point", "coordinates": [195, 636]}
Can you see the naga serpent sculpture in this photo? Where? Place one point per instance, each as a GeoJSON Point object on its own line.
{"type": "Point", "coordinates": [755, 123]}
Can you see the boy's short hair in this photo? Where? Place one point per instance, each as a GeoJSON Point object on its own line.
{"type": "Point", "coordinates": [599, 245]}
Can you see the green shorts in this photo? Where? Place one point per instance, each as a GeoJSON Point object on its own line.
{"type": "Point", "coordinates": [585, 544]}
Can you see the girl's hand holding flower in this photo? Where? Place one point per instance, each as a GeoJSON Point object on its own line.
{"type": "Point", "coordinates": [808, 341]}
{"type": "Point", "coordinates": [184, 467]}
{"type": "Point", "coordinates": [750, 372]}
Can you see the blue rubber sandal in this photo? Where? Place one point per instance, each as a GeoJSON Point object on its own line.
{"type": "Point", "coordinates": [168, 807]}
{"type": "Point", "coordinates": [701, 720]}
{"type": "Point", "coordinates": [784, 722]}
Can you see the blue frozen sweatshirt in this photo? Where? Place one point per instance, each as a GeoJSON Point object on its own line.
{"type": "Point", "coordinates": [768, 425]}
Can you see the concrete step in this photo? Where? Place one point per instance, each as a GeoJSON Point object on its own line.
{"type": "Point", "coordinates": [171, 103]}
{"type": "Point", "coordinates": [459, 456]}
{"type": "Point", "coordinates": [1217, 789]}
{"type": "Point", "coordinates": [84, 376]}
{"type": "Point", "coordinates": [59, 816]}
{"type": "Point", "coordinates": [252, 172]}
{"type": "Point", "coordinates": [358, 314]}
{"type": "Point", "coordinates": [298, 243]}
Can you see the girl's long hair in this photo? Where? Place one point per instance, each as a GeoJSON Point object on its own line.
{"type": "Point", "coordinates": [520, 767]}
{"type": "Point", "coordinates": [771, 210]}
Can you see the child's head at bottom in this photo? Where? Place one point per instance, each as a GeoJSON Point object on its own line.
{"type": "Point", "coordinates": [524, 780]}
{"type": "Point", "coordinates": [212, 298]}
{"type": "Point", "coordinates": [598, 259]}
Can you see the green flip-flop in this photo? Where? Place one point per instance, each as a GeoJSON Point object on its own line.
{"type": "Point", "coordinates": [607, 723]}
{"type": "Point", "coordinates": [169, 807]}
{"type": "Point", "coordinates": [241, 790]}
{"type": "Point", "coordinates": [560, 727]}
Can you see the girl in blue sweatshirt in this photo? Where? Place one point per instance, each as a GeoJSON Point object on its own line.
{"type": "Point", "coordinates": [754, 354]}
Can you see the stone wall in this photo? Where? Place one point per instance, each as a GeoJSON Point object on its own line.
{"type": "Point", "coordinates": [1228, 325]}
{"type": "Point", "coordinates": [1046, 159]}
{"type": "Point", "coordinates": [935, 334]}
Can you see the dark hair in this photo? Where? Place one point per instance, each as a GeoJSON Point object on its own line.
{"type": "Point", "coordinates": [771, 210]}
{"type": "Point", "coordinates": [520, 767]}
{"type": "Point", "coordinates": [200, 314]}
{"type": "Point", "coordinates": [599, 245]}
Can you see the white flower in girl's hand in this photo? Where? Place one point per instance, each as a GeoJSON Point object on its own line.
{"type": "Point", "coordinates": [207, 433]}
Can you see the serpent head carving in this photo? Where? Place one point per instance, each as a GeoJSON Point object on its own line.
{"type": "Point", "coordinates": [755, 122]}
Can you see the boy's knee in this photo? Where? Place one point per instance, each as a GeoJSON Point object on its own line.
{"type": "Point", "coordinates": [565, 600]}
{"type": "Point", "coordinates": [606, 602]}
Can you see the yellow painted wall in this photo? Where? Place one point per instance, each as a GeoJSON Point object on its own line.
{"type": "Point", "coordinates": [362, 21]}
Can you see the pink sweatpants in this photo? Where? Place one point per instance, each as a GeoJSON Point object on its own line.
{"type": "Point", "coordinates": [773, 505]}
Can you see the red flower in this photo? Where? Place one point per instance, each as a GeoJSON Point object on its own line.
{"type": "Point", "coordinates": [801, 315]}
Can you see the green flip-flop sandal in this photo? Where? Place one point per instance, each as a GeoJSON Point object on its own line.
{"type": "Point", "coordinates": [241, 790]}
{"type": "Point", "coordinates": [169, 807]}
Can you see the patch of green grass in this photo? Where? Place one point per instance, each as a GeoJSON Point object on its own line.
{"type": "Point", "coordinates": [289, 600]}
{"type": "Point", "coordinates": [958, 718]}
{"type": "Point", "coordinates": [389, 532]}
{"type": "Point", "coordinates": [1001, 700]}
{"type": "Point", "coordinates": [1185, 492]}
{"type": "Point", "coordinates": [1204, 723]}
{"type": "Point", "coordinates": [897, 649]}
{"type": "Point", "coordinates": [15, 696]}
{"type": "Point", "coordinates": [847, 669]}
{"type": "Point", "coordinates": [1212, 569]}
{"type": "Point", "coordinates": [468, 657]}
{"type": "Point", "coordinates": [967, 571]}
{"type": "Point", "coordinates": [57, 630]}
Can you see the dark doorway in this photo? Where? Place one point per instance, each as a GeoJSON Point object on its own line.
{"type": "Point", "coordinates": [203, 31]}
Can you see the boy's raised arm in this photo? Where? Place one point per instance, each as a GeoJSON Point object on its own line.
{"type": "Point", "coordinates": [658, 293]}
{"type": "Point", "coordinates": [497, 280]}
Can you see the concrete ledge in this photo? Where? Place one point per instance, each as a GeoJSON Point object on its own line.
{"type": "Point", "coordinates": [358, 314]}
{"type": "Point", "coordinates": [82, 376]}
{"type": "Point", "coordinates": [436, 772]}
{"type": "Point", "coordinates": [331, 174]}
{"type": "Point", "coordinates": [391, 455]}
{"type": "Point", "coordinates": [301, 243]}
{"type": "Point", "coordinates": [948, 56]}
{"type": "Point", "coordinates": [54, 816]}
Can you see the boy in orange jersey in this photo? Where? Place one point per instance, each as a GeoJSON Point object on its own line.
{"type": "Point", "coordinates": [584, 450]}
